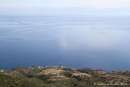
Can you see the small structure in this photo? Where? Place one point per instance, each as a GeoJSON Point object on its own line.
{"type": "Point", "coordinates": [1, 70]}
{"type": "Point", "coordinates": [40, 67]}
{"type": "Point", "coordinates": [61, 67]}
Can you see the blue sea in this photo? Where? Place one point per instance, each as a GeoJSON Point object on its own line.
{"type": "Point", "coordinates": [78, 41]}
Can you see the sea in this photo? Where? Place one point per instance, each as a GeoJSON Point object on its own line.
{"type": "Point", "coordinates": [77, 41]}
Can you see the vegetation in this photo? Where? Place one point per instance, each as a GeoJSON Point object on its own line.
{"type": "Point", "coordinates": [56, 77]}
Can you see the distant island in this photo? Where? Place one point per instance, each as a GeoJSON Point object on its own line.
{"type": "Point", "coordinates": [59, 76]}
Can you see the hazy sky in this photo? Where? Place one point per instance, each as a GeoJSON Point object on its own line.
{"type": "Point", "coordinates": [66, 3]}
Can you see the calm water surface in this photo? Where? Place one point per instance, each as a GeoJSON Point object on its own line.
{"type": "Point", "coordinates": [99, 42]}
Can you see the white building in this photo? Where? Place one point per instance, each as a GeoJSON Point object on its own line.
{"type": "Point", "coordinates": [1, 70]}
{"type": "Point", "coordinates": [61, 67]}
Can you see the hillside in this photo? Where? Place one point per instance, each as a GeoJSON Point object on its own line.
{"type": "Point", "coordinates": [62, 77]}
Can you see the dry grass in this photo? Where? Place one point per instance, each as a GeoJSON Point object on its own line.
{"type": "Point", "coordinates": [81, 74]}
{"type": "Point", "coordinates": [52, 71]}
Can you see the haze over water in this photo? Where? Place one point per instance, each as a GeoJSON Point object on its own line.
{"type": "Point", "coordinates": [99, 42]}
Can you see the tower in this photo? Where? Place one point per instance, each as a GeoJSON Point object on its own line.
{"type": "Point", "coordinates": [61, 66]}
